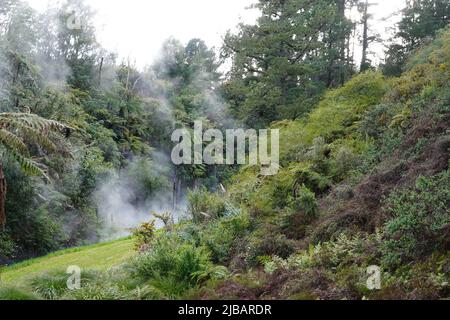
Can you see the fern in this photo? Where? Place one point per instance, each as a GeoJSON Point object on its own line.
{"type": "Point", "coordinates": [29, 166]}
{"type": "Point", "coordinates": [20, 130]}
{"type": "Point", "coordinates": [11, 141]}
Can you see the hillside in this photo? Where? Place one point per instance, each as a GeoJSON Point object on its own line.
{"type": "Point", "coordinates": [364, 181]}
{"type": "Point", "coordinates": [98, 144]}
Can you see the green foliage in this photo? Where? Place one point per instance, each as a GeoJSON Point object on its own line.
{"type": "Point", "coordinates": [334, 148]}
{"type": "Point", "coordinates": [18, 129]}
{"type": "Point", "coordinates": [12, 293]}
{"type": "Point", "coordinates": [143, 234]}
{"type": "Point", "coordinates": [111, 285]}
{"type": "Point", "coordinates": [45, 232]}
{"type": "Point", "coordinates": [171, 265]}
{"type": "Point", "coordinates": [266, 243]}
{"type": "Point", "coordinates": [283, 63]}
{"type": "Point", "coordinates": [147, 178]}
{"type": "Point", "coordinates": [221, 236]}
{"type": "Point", "coordinates": [418, 221]}
{"type": "Point", "coordinates": [421, 20]}
{"type": "Point", "coordinates": [50, 285]}
{"type": "Point", "coordinates": [306, 202]}
{"type": "Point", "coordinates": [7, 246]}
{"type": "Point", "coordinates": [204, 206]}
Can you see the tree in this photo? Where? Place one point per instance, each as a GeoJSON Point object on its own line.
{"type": "Point", "coordinates": [77, 44]}
{"type": "Point", "coordinates": [421, 19]}
{"type": "Point", "coordinates": [345, 62]}
{"type": "Point", "coordinates": [367, 39]}
{"type": "Point", "coordinates": [18, 76]}
{"type": "Point", "coordinates": [283, 63]}
{"type": "Point", "coordinates": [18, 131]}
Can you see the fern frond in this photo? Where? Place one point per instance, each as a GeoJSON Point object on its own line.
{"type": "Point", "coordinates": [18, 129]}
{"type": "Point", "coordinates": [29, 166]}
{"type": "Point", "coordinates": [11, 141]}
{"type": "Point", "coordinates": [31, 121]}
{"type": "Point", "coordinates": [34, 136]}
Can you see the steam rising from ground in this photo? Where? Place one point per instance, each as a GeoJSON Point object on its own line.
{"type": "Point", "coordinates": [128, 197]}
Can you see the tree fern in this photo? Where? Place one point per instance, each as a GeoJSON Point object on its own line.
{"type": "Point", "coordinates": [11, 141]}
{"type": "Point", "coordinates": [19, 131]}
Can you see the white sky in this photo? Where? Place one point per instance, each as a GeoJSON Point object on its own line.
{"type": "Point", "coordinates": [137, 28]}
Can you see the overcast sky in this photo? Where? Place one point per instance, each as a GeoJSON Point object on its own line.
{"type": "Point", "coordinates": [136, 28]}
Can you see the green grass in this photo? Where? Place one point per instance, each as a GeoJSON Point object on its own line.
{"type": "Point", "coordinates": [99, 257]}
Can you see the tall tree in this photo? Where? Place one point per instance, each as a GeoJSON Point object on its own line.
{"type": "Point", "coordinates": [367, 37]}
{"type": "Point", "coordinates": [283, 63]}
{"type": "Point", "coordinates": [19, 78]}
{"type": "Point", "coordinates": [421, 19]}
{"type": "Point", "coordinates": [77, 43]}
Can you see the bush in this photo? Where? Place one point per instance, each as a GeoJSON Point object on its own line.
{"type": "Point", "coordinates": [266, 243]}
{"type": "Point", "coordinates": [143, 235]}
{"type": "Point", "coordinates": [53, 285]}
{"type": "Point", "coordinates": [305, 202]}
{"type": "Point", "coordinates": [220, 236]}
{"type": "Point", "coordinates": [11, 293]}
{"type": "Point", "coordinates": [203, 205]}
{"type": "Point", "coordinates": [345, 161]}
{"type": "Point", "coordinates": [314, 181]}
{"type": "Point", "coordinates": [419, 220]}
{"type": "Point", "coordinates": [111, 285]}
{"type": "Point", "coordinates": [7, 247]}
{"type": "Point", "coordinates": [172, 266]}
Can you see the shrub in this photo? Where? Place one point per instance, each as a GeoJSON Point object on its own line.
{"type": "Point", "coordinates": [359, 250]}
{"type": "Point", "coordinates": [171, 265]}
{"type": "Point", "coordinates": [143, 235]}
{"type": "Point", "coordinates": [53, 285]}
{"type": "Point", "coordinates": [314, 181]}
{"type": "Point", "coordinates": [203, 205]}
{"type": "Point", "coordinates": [220, 236]}
{"type": "Point", "coordinates": [97, 291]}
{"type": "Point", "coordinates": [266, 243]}
{"type": "Point", "coordinates": [94, 286]}
{"type": "Point", "coordinates": [305, 202]}
{"type": "Point", "coordinates": [377, 120]}
{"type": "Point", "coordinates": [345, 160]}
{"type": "Point", "coordinates": [319, 155]}
{"type": "Point", "coordinates": [7, 246]}
{"type": "Point", "coordinates": [11, 293]}
{"type": "Point", "coordinates": [419, 220]}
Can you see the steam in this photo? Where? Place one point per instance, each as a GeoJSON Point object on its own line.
{"type": "Point", "coordinates": [52, 66]}
{"type": "Point", "coordinates": [128, 197]}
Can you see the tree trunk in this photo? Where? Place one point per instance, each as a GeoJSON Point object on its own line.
{"type": "Point", "coordinates": [100, 72]}
{"type": "Point", "coordinates": [343, 59]}
{"type": "Point", "coordinates": [2, 196]}
{"type": "Point", "coordinates": [365, 43]}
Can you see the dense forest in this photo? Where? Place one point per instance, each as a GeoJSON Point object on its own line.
{"type": "Point", "coordinates": [363, 180]}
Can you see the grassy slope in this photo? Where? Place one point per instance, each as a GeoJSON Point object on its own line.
{"type": "Point", "coordinates": [100, 257]}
